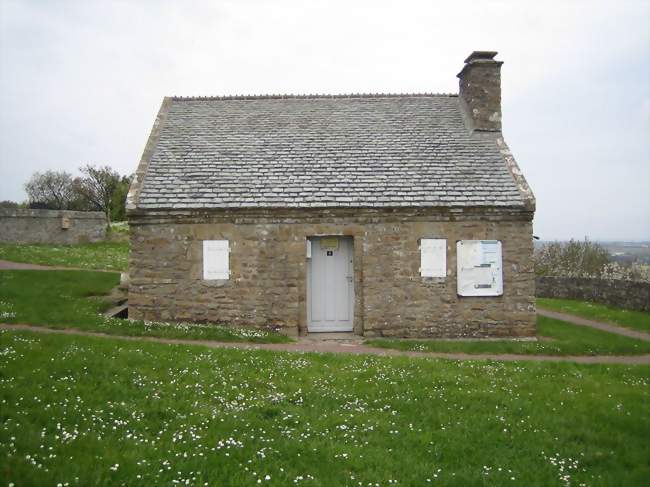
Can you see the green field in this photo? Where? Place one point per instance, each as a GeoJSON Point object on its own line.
{"type": "Point", "coordinates": [637, 320]}
{"type": "Point", "coordinates": [90, 411]}
{"type": "Point", "coordinates": [73, 299]}
{"type": "Point", "coordinates": [555, 338]}
{"type": "Point", "coordinates": [100, 255]}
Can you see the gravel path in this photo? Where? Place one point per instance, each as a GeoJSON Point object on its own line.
{"type": "Point", "coordinates": [351, 347]}
{"type": "Point", "coordinates": [577, 320]}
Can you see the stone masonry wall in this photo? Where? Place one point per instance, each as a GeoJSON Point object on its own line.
{"type": "Point", "coordinates": [47, 226]}
{"type": "Point", "coordinates": [267, 287]}
{"type": "Point", "coordinates": [480, 94]}
{"type": "Point", "coordinates": [614, 292]}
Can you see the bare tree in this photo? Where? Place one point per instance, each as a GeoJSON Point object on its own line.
{"type": "Point", "coordinates": [98, 186]}
{"type": "Point", "coordinates": [51, 189]}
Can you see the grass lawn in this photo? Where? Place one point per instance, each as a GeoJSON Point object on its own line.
{"type": "Point", "coordinates": [100, 255]}
{"type": "Point", "coordinates": [637, 320]}
{"type": "Point", "coordinates": [565, 339]}
{"type": "Point", "coordinates": [72, 299]}
{"type": "Point", "coordinates": [89, 411]}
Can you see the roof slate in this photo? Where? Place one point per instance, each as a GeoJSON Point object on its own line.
{"type": "Point", "coordinates": [323, 151]}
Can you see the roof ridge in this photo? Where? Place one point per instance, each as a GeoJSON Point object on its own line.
{"type": "Point", "coordinates": [312, 96]}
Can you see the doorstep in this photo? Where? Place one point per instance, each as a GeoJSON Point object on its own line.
{"type": "Point", "coordinates": [344, 338]}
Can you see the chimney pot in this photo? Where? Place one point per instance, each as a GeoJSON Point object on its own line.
{"type": "Point", "coordinates": [480, 55]}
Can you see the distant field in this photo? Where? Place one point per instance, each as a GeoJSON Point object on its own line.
{"type": "Point", "coordinates": [628, 251]}
{"type": "Point", "coordinates": [100, 255]}
{"type": "Point", "coordinates": [637, 320]}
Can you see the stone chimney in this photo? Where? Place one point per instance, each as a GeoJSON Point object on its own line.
{"type": "Point", "coordinates": [480, 91]}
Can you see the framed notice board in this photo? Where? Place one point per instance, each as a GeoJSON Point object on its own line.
{"type": "Point", "coordinates": [479, 268]}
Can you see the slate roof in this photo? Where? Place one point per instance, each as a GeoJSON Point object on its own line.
{"type": "Point", "coordinates": [322, 151]}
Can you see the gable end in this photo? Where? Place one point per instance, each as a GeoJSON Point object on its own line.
{"type": "Point", "coordinates": [517, 175]}
{"type": "Point", "coordinates": [133, 196]}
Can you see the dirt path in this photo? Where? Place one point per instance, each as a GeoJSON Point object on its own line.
{"type": "Point", "coordinates": [351, 347]}
{"type": "Point", "coordinates": [577, 320]}
{"type": "Point", "coordinates": [8, 265]}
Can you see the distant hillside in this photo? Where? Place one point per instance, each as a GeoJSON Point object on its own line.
{"type": "Point", "coordinates": [628, 251]}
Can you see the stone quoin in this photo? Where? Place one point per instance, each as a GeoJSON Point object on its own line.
{"type": "Point", "coordinates": [386, 215]}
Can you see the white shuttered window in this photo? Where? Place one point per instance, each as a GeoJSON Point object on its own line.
{"type": "Point", "coordinates": [433, 257]}
{"type": "Point", "coordinates": [216, 259]}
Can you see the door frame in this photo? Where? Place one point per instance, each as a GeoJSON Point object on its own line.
{"type": "Point", "coordinates": [351, 291]}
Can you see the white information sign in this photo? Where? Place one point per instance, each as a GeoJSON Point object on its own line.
{"type": "Point", "coordinates": [433, 257]}
{"type": "Point", "coordinates": [479, 268]}
{"type": "Point", "coordinates": [216, 263]}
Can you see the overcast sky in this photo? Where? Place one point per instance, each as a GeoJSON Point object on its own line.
{"type": "Point", "coordinates": [81, 82]}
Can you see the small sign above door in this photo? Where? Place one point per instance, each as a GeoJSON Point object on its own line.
{"type": "Point", "coordinates": [329, 243]}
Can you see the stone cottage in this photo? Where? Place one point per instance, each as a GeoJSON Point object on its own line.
{"type": "Point", "coordinates": [385, 215]}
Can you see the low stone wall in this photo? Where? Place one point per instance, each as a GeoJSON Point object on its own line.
{"type": "Point", "coordinates": [51, 226]}
{"type": "Point", "coordinates": [614, 292]}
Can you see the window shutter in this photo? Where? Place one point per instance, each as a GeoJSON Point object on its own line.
{"type": "Point", "coordinates": [216, 259]}
{"type": "Point", "coordinates": [433, 257]}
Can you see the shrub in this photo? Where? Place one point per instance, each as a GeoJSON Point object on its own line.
{"type": "Point", "coordinates": [571, 259]}
{"type": "Point", "coordinates": [584, 259]}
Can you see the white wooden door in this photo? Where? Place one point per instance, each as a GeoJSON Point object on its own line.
{"type": "Point", "coordinates": [330, 285]}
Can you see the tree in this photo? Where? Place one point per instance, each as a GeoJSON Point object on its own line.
{"type": "Point", "coordinates": [571, 259]}
{"type": "Point", "coordinates": [9, 204]}
{"type": "Point", "coordinates": [99, 189]}
{"type": "Point", "coordinates": [52, 189]}
{"type": "Point", "coordinates": [98, 186]}
{"type": "Point", "coordinates": [118, 207]}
